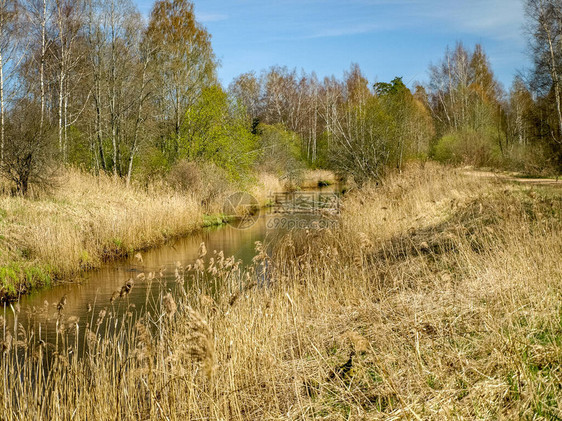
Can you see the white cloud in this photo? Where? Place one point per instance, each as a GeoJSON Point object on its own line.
{"type": "Point", "coordinates": [211, 17]}
{"type": "Point", "coordinates": [343, 31]}
{"type": "Point", "coordinates": [498, 19]}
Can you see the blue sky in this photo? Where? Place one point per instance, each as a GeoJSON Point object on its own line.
{"type": "Point", "coordinates": [387, 38]}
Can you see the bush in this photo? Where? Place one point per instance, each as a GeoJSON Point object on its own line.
{"type": "Point", "coordinates": [530, 159]}
{"type": "Point", "coordinates": [444, 150]}
{"type": "Point", "coordinates": [29, 150]}
{"type": "Point", "coordinates": [154, 165]}
{"type": "Point", "coordinates": [279, 152]}
{"type": "Point", "coordinates": [207, 182]}
{"type": "Point", "coordinates": [468, 147]}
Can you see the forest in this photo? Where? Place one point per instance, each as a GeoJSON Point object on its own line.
{"type": "Point", "coordinates": [128, 290]}
{"type": "Point", "coordinates": [92, 85]}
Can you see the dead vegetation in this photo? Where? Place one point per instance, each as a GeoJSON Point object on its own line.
{"type": "Point", "coordinates": [437, 298]}
{"type": "Point", "coordinates": [91, 219]}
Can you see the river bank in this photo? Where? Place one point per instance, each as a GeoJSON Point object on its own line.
{"type": "Point", "coordinates": [437, 297]}
{"type": "Point", "coordinates": [89, 220]}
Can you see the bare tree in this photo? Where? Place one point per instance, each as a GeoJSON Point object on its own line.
{"type": "Point", "coordinates": [29, 156]}
{"type": "Point", "coordinates": [69, 21]}
{"type": "Point", "coordinates": [246, 90]}
{"type": "Point", "coordinates": [8, 25]}
{"type": "Point", "coordinates": [184, 57]}
{"type": "Point", "coordinates": [544, 20]}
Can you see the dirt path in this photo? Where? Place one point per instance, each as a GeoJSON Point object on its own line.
{"type": "Point", "coordinates": [549, 182]}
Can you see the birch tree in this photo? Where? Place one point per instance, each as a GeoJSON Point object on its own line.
{"type": "Point", "coordinates": [8, 25]}
{"type": "Point", "coordinates": [183, 60]}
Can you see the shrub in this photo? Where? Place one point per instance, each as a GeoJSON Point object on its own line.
{"type": "Point", "coordinates": [154, 165]}
{"type": "Point", "coordinates": [204, 180]}
{"type": "Point", "coordinates": [29, 151]}
{"type": "Point", "coordinates": [468, 147]}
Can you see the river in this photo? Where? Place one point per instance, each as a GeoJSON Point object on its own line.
{"type": "Point", "coordinates": [84, 299]}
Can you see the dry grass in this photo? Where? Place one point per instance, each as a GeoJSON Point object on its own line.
{"type": "Point", "coordinates": [266, 185]}
{"type": "Point", "coordinates": [318, 178]}
{"type": "Point", "coordinates": [86, 221]}
{"type": "Point", "coordinates": [442, 293]}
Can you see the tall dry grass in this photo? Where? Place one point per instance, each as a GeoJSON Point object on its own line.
{"type": "Point", "coordinates": [438, 298]}
{"type": "Point", "coordinates": [266, 185]}
{"type": "Point", "coordinates": [318, 178]}
{"type": "Point", "coordinates": [90, 219]}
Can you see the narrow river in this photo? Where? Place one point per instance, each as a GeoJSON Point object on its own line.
{"type": "Point", "coordinates": [84, 299]}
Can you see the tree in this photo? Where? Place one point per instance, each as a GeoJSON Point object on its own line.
{"type": "Point", "coordinates": [279, 151]}
{"type": "Point", "coordinates": [118, 57]}
{"type": "Point", "coordinates": [141, 94]}
{"type": "Point", "coordinates": [8, 28]}
{"type": "Point", "coordinates": [361, 131]}
{"type": "Point", "coordinates": [412, 120]}
{"type": "Point", "coordinates": [215, 130]}
{"type": "Point", "coordinates": [29, 156]}
{"type": "Point", "coordinates": [521, 108]}
{"type": "Point", "coordinates": [544, 22]}
{"type": "Point", "coordinates": [183, 60]}
{"type": "Point", "coordinates": [36, 16]}
{"type": "Point", "coordinates": [246, 90]}
{"type": "Point", "coordinates": [69, 22]}
{"type": "Point", "coordinates": [465, 101]}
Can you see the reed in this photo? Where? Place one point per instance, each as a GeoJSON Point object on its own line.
{"type": "Point", "coordinates": [318, 178]}
{"type": "Point", "coordinates": [89, 220]}
{"type": "Point", "coordinates": [437, 298]}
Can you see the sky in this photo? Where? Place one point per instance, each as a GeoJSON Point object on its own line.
{"type": "Point", "coordinates": [387, 38]}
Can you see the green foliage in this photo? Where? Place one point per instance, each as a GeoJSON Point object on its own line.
{"type": "Point", "coordinates": [378, 130]}
{"type": "Point", "coordinates": [9, 276]}
{"type": "Point", "coordinates": [362, 149]}
{"type": "Point", "coordinates": [85, 260]}
{"type": "Point", "coordinates": [322, 151]}
{"type": "Point", "coordinates": [182, 57]}
{"type": "Point", "coordinates": [215, 131]}
{"type": "Point", "coordinates": [395, 86]}
{"type": "Point", "coordinates": [444, 149]}
{"type": "Point", "coordinates": [467, 102]}
{"type": "Point", "coordinates": [279, 151]}
{"type": "Point", "coordinates": [155, 163]}
{"type": "Point", "coordinates": [469, 147]}
{"type": "Point", "coordinates": [26, 277]}
{"type": "Point", "coordinates": [79, 149]}
{"type": "Point", "coordinates": [214, 220]}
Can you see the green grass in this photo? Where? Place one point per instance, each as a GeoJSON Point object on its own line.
{"type": "Point", "coordinates": [19, 278]}
{"type": "Point", "coordinates": [215, 220]}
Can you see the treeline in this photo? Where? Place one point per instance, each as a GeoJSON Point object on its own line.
{"type": "Point", "coordinates": [462, 115]}
{"type": "Point", "coordinates": [90, 83]}
{"type": "Point", "coordinates": [347, 125]}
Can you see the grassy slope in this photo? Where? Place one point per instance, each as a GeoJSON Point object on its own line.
{"type": "Point", "coordinates": [446, 287]}
{"type": "Point", "coordinates": [88, 220]}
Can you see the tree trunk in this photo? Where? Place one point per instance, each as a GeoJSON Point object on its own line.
{"type": "Point", "coordinates": [555, 82]}
{"type": "Point", "coordinates": [1, 109]}
{"type": "Point", "coordinates": [113, 93]}
{"type": "Point", "coordinates": [62, 77]}
{"type": "Point", "coordinates": [98, 124]}
{"type": "Point", "coordinates": [43, 52]}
